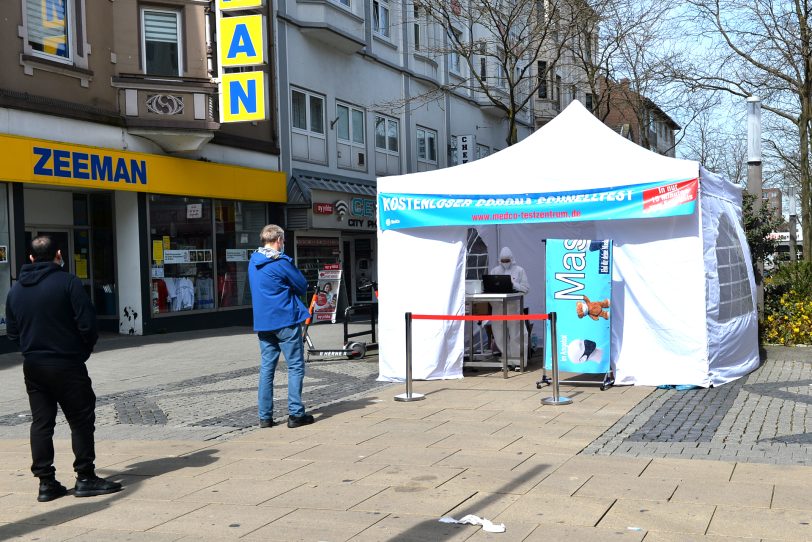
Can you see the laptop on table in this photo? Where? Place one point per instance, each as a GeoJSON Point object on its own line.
{"type": "Point", "coordinates": [497, 284]}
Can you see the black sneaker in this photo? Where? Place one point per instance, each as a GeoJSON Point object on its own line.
{"type": "Point", "coordinates": [263, 424]}
{"type": "Point", "coordinates": [298, 421]}
{"type": "Point", "coordinates": [50, 489]}
{"type": "Point", "coordinates": [90, 486]}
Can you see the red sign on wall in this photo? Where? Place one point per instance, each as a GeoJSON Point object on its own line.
{"type": "Point", "coordinates": [323, 208]}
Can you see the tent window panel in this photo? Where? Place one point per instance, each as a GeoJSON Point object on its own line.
{"type": "Point", "coordinates": [735, 296]}
{"type": "Point", "coordinates": [476, 260]}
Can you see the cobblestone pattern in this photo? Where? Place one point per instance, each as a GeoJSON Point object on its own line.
{"type": "Point", "coordinates": [219, 404]}
{"type": "Point", "coordinates": [762, 418]}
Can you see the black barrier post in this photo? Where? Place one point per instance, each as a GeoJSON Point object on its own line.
{"type": "Point", "coordinates": [409, 396]}
{"type": "Point", "coordinates": [556, 399]}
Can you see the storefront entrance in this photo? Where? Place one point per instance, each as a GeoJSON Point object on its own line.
{"type": "Point", "coordinates": [85, 238]}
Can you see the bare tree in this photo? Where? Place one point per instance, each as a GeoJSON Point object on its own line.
{"type": "Point", "coordinates": [762, 48]}
{"type": "Point", "coordinates": [492, 47]}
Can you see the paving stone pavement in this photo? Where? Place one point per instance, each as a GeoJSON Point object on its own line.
{"type": "Point", "coordinates": [762, 418]}
{"type": "Point", "coordinates": [213, 405]}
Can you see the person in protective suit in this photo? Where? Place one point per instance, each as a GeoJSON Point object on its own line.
{"type": "Point", "coordinates": [508, 266]}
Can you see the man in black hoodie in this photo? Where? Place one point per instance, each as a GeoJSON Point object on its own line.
{"type": "Point", "coordinates": [51, 317]}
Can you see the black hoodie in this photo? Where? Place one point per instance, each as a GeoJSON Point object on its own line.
{"type": "Point", "coordinates": [49, 314]}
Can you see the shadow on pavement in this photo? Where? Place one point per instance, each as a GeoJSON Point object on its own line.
{"type": "Point", "coordinates": [91, 505]}
{"type": "Point", "coordinates": [432, 530]}
{"type": "Point", "coordinates": [322, 413]}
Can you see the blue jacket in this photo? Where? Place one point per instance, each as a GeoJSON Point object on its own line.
{"type": "Point", "coordinates": [276, 285]}
{"type": "Point", "coordinates": [50, 316]}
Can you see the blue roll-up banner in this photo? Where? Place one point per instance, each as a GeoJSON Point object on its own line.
{"type": "Point", "coordinates": [579, 291]}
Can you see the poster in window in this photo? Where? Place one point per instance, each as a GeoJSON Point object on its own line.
{"type": "Point", "coordinates": [3, 254]}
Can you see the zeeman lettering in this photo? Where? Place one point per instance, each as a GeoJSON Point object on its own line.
{"type": "Point", "coordinates": [88, 166]}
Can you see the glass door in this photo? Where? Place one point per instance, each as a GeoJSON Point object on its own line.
{"type": "Point", "coordinates": [60, 237]}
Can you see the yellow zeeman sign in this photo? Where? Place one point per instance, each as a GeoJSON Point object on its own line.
{"type": "Point", "coordinates": [241, 42]}
{"type": "Point", "coordinates": [39, 161]}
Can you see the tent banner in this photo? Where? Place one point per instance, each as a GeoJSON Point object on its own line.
{"type": "Point", "coordinates": [579, 290]}
{"type": "Point", "coordinates": [647, 200]}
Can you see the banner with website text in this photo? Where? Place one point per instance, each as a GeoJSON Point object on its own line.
{"type": "Point", "coordinates": [579, 291]}
{"type": "Point", "coordinates": [648, 200]}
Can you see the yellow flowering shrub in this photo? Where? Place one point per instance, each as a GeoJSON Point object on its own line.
{"type": "Point", "coordinates": [788, 305]}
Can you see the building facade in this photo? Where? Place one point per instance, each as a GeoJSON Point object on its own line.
{"type": "Point", "coordinates": [111, 144]}
{"type": "Point", "coordinates": [370, 89]}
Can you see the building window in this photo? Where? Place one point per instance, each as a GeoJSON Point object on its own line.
{"type": "Point", "coordinates": [558, 90]}
{"type": "Point", "coordinates": [161, 42]}
{"type": "Point", "coordinates": [386, 134]}
{"type": "Point", "coordinates": [350, 128]}
{"type": "Point", "coordinates": [380, 17]}
{"type": "Point", "coordinates": [482, 151]}
{"type": "Point", "coordinates": [50, 28]}
{"type": "Point", "coordinates": [454, 42]}
{"type": "Point", "coordinates": [542, 79]}
{"type": "Point", "coordinates": [426, 145]}
{"type": "Point", "coordinates": [307, 112]}
{"type": "Point", "coordinates": [418, 44]}
{"type": "Point", "coordinates": [589, 103]}
{"type": "Point", "coordinates": [454, 157]}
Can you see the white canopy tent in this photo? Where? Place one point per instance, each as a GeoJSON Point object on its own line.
{"type": "Point", "coordinates": [683, 291]}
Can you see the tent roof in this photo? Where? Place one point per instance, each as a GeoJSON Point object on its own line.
{"type": "Point", "coordinates": [574, 151]}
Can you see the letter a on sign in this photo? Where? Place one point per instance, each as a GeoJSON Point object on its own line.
{"type": "Point", "coordinates": [243, 41]}
{"type": "Point", "coordinates": [243, 97]}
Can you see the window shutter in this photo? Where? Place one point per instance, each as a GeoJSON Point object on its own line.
{"type": "Point", "coordinates": [160, 26]}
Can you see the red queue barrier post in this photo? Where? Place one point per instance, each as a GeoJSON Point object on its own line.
{"type": "Point", "coordinates": [409, 396]}
{"type": "Point", "coordinates": [556, 399]}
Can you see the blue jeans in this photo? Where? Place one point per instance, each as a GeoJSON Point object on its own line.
{"type": "Point", "coordinates": [287, 340]}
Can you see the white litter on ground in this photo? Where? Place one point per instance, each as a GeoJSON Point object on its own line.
{"type": "Point", "coordinates": [470, 519]}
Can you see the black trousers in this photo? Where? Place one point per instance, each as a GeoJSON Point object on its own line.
{"type": "Point", "coordinates": [70, 387]}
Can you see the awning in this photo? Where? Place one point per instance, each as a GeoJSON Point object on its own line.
{"type": "Point", "coordinates": [303, 182]}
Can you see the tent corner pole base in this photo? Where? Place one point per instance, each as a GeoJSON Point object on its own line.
{"type": "Point", "coordinates": [555, 401]}
{"type": "Point", "coordinates": [407, 397]}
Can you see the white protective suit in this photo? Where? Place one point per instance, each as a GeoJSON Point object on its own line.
{"type": "Point", "coordinates": [520, 284]}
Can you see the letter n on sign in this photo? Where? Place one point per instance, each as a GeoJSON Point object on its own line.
{"type": "Point", "coordinates": [242, 97]}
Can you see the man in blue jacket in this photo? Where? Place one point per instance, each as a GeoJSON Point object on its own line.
{"type": "Point", "coordinates": [51, 317]}
{"type": "Point", "coordinates": [276, 285]}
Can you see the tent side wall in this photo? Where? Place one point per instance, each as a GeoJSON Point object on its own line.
{"type": "Point", "coordinates": [659, 333]}
{"type": "Point", "coordinates": [422, 272]}
{"type": "Point", "coordinates": [731, 288]}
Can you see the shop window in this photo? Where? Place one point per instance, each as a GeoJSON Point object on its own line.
{"type": "Point", "coordinates": [181, 249]}
{"type": "Point", "coordinates": [313, 253]}
{"type": "Point", "coordinates": [103, 255]}
{"type": "Point", "coordinates": [237, 225]}
{"type": "Point", "coordinates": [482, 151]}
{"type": "Point", "coordinates": [49, 25]}
{"type": "Point", "coordinates": [735, 296]}
{"type": "Point", "coordinates": [161, 42]}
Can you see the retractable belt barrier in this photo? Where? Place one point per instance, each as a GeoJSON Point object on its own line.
{"type": "Point", "coordinates": [556, 399]}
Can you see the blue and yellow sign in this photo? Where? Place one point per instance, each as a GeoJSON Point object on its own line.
{"type": "Point", "coordinates": [243, 41]}
{"type": "Point", "coordinates": [243, 97]}
{"type": "Point", "coordinates": [228, 5]}
{"type": "Point", "coordinates": [39, 161]}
